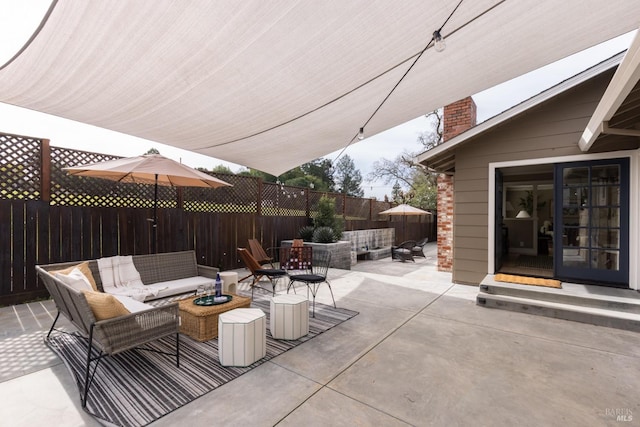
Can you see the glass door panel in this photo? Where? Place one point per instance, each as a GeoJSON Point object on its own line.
{"type": "Point", "coordinates": [593, 218]}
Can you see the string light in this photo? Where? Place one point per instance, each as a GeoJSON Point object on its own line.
{"type": "Point", "coordinates": [438, 41]}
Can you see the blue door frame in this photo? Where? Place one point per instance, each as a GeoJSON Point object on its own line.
{"type": "Point", "coordinates": [591, 222]}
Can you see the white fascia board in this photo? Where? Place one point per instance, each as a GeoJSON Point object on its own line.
{"type": "Point", "coordinates": [622, 83]}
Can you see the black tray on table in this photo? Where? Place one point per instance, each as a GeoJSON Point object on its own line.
{"type": "Point", "coordinates": [208, 300]}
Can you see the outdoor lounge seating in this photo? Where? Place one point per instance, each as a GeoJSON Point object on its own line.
{"type": "Point", "coordinates": [162, 275]}
{"type": "Point", "coordinates": [111, 324]}
{"type": "Point", "coordinates": [418, 249]}
{"type": "Point", "coordinates": [404, 251]}
{"type": "Point", "coordinates": [273, 274]}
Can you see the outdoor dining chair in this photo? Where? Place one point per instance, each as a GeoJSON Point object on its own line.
{"type": "Point", "coordinates": [259, 253]}
{"type": "Point", "coordinates": [314, 277]}
{"type": "Point", "coordinates": [273, 274]}
{"type": "Point", "coordinates": [295, 257]}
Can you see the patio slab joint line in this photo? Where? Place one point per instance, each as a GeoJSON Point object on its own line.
{"type": "Point", "coordinates": [367, 351]}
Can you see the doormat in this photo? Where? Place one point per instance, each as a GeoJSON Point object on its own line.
{"type": "Point", "coordinates": [524, 280]}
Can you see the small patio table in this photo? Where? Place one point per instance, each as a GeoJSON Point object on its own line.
{"type": "Point", "coordinates": [201, 322]}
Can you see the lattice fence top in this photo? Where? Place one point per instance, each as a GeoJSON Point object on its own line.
{"type": "Point", "coordinates": [95, 192]}
{"type": "Point", "coordinates": [241, 197]}
{"type": "Point", "coordinates": [283, 200]}
{"type": "Point", "coordinates": [378, 206]}
{"type": "Point", "coordinates": [357, 208]}
{"type": "Point", "coordinates": [19, 167]}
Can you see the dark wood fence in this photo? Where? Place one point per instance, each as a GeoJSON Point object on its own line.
{"type": "Point", "coordinates": [47, 216]}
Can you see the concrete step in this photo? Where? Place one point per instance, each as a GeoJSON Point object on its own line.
{"type": "Point", "coordinates": [625, 300]}
{"type": "Point", "coordinates": [576, 313]}
{"type": "Point", "coordinates": [610, 307]}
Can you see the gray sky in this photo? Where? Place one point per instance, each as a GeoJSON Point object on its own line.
{"type": "Point", "coordinates": [389, 144]}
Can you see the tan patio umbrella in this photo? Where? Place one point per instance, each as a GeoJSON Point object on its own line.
{"type": "Point", "coordinates": [148, 169]}
{"type": "Point", "coordinates": [404, 210]}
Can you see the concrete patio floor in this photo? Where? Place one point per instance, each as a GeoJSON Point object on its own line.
{"type": "Point", "coordinates": [421, 352]}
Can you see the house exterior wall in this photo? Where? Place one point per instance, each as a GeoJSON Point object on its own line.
{"type": "Point", "coordinates": [551, 129]}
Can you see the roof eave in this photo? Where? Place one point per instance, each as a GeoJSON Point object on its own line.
{"type": "Point", "coordinates": [447, 147]}
{"type": "Point", "coordinates": [622, 83]}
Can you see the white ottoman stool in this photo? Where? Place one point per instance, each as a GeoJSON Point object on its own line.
{"type": "Point", "coordinates": [289, 316]}
{"type": "Point", "coordinates": [242, 336]}
{"type": "Point", "coordinates": [229, 282]}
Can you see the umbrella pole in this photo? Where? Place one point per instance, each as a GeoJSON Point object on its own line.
{"type": "Point", "coordinates": [404, 228]}
{"type": "Point", "coordinates": [154, 237]}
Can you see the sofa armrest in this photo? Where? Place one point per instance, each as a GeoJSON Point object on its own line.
{"type": "Point", "coordinates": [126, 332]}
{"type": "Point", "coordinates": [206, 271]}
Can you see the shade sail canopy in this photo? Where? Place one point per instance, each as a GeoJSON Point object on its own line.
{"type": "Point", "coordinates": [271, 85]}
{"type": "Point", "coordinates": [148, 169]}
{"type": "Point", "coordinates": [404, 209]}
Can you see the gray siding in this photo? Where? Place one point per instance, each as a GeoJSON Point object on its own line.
{"type": "Point", "coordinates": [548, 130]}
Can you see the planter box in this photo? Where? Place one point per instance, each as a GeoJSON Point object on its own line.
{"type": "Point", "coordinates": [377, 242]}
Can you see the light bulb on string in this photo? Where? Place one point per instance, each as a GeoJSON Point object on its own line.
{"type": "Point", "coordinates": [361, 134]}
{"type": "Point", "coordinates": [438, 41]}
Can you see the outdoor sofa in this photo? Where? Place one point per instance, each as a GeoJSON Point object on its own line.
{"type": "Point", "coordinates": [115, 323]}
{"type": "Point", "coordinates": [166, 274]}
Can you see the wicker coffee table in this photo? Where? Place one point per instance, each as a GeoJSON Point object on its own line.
{"type": "Point", "coordinates": [201, 322]}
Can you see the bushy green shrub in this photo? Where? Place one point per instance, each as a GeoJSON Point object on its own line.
{"type": "Point", "coordinates": [326, 217]}
{"type": "Point", "coordinates": [306, 233]}
{"type": "Point", "coordinates": [323, 235]}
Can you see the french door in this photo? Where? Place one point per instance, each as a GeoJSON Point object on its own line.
{"type": "Point", "coordinates": [591, 226]}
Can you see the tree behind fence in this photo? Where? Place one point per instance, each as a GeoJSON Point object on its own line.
{"type": "Point", "coordinates": [47, 216]}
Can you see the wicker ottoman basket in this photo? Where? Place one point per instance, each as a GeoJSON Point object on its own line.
{"type": "Point", "coordinates": [201, 322]}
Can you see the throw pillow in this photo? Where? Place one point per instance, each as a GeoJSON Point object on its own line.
{"type": "Point", "coordinates": [86, 271]}
{"type": "Point", "coordinates": [104, 306]}
{"type": "Point", "coordinates": [74, 279]}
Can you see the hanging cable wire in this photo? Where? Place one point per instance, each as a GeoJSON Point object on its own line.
{"type": "Point", "coordinates": [374, 78]}
{"type": "Point", "coordinates": [24, 47]}
{"type": "Point", "coordinates": [417, 58]}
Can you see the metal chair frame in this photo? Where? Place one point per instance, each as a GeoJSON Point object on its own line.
{"type": "Point", "coordinates": [314, 277]}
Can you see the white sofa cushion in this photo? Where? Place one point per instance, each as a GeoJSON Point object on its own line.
{"type": "Point", "coordinates": [179, 286]}
{"type": "Point", "coordinates": [131, 304]}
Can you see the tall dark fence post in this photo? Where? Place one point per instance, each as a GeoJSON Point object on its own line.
{"type": "Point", "coordinates": [259, 199]}
{"type": "Point", "coordinates": [45, 170]}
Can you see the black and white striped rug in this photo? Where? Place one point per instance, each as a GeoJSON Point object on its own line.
{"type": "Point", "coordinates": [137, 387]}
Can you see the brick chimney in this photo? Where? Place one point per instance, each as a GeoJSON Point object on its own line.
{"type": "Point", "coordinates": [457, 118]}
